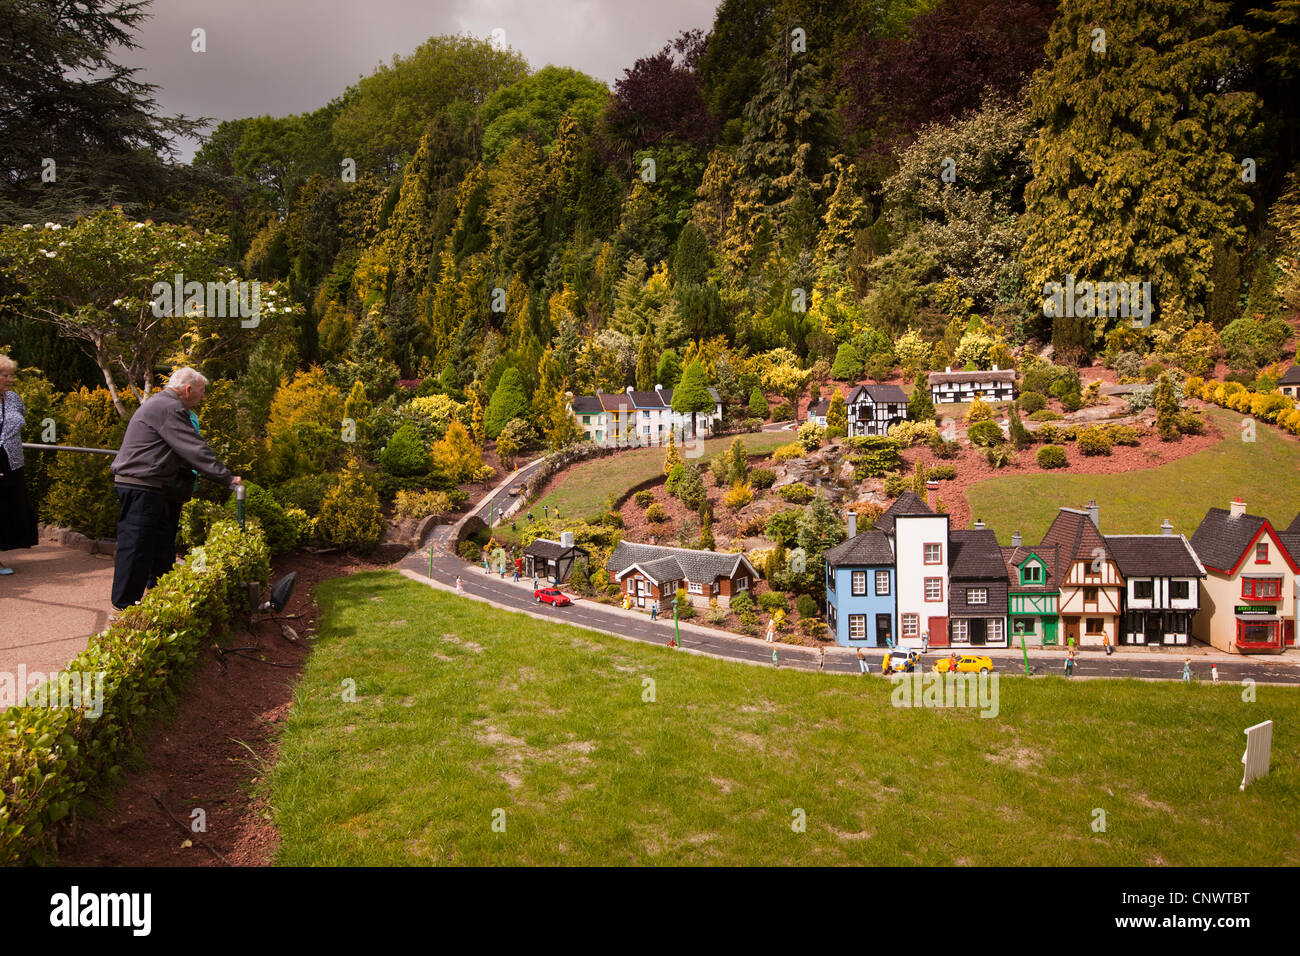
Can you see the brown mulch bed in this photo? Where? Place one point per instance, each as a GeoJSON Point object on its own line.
{"type": "Point", "coordinates": [201, 758]}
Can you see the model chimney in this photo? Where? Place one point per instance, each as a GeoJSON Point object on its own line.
{"type": "Point", "coordinates": [658, 387]}
{"type": "Point", "coordinates": [931, 487]}
{"type": "Point", "coordinates": [628, 389]}
{"type": "Point", "coordinates": [853, 523]}
{"type": "Point", "coordinates": [995, 366]}
{"type": "Point", "coordinates": [1237, 508]}
{"type": "Point", "coordinates": [947, 368]}
{"type": "Point", "coordinates": [979, 525]}
{"type": "Point", "coordinates": [566, 539]}
{"type": "Point", "coordinates": [1094, 513]}
{"type": "Point", "coordinates": [1016, 540]}
{"type": "Point", "coordinates": [1167, 527]}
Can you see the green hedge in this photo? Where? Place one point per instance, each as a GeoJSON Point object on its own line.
{"type": "Point", "coordinates": [51, 757]}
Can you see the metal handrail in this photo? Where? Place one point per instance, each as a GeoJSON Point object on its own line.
{"type": "Point", "coordinates": [32, 446]}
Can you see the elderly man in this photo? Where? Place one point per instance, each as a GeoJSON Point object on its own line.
{"type": "Point", "coordinates": [159, 442]}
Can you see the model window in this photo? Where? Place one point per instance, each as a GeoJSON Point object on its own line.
{"type": "Point", "coordinates": [1089, 595]}
{"type": "Point", "coordinates": [934, 589]}
{"type": "Point", "coordinates": [1142, 590]}
{"type": "Point", "coordinates": [994, 630]}
{"type": "Point", "coordinates": [859, 582]}
{"type": "Point", "coordinates": [934, 554]}
{"type": "Point", "coordinates": [882, 582]}
{"type": "Point", "coordinates": [742, 584]}
{"type": "Point", "coordinates": [1261, 552]}
{"type": "Point", "coordinates": [977, 595]}
{"type": "Point", "coordinates": [1270, 588]}
{"type": "Point", "coordinates": [857, 627]}
{"type": "Point", "coordinates": [1180, 590]}
{"type": "Point", "coordinates": [1096, 625]}
{"type": "Point", "coordinates": [911, 625]}
{"type": "Point", "coordinates": [1029, 574]}
{"type": "Point", "coordinates": [960, 632]}
{"type": "Point", "coordinates": [696, 588]}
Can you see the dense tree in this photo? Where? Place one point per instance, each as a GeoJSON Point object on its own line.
{"type": "Point", "coordinates": [659, 96]}
{"type": "Point", "coordinates": [691, 396]}
{"type": "Point", "coordinates": [1140, 144]}
{"type": "Point", "coordinates": [508, 402]}
{"type": "Point", "coordinates": [920, 406]}
{"type": "Point", "coordinates": [534, 106]}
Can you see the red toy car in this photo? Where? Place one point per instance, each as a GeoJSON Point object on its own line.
{"type": "Point", "coordinates": [552, 596]}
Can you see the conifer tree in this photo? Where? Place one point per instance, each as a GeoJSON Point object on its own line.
{"type": "Point", "coordinates": [920, 407]}
{"type": "Point", "coordinates": [647, 359]}
{"type": "Point", "coordinates": [837, 415]}
{"type": "Point", "coordinates": [692, 394]}
{"type": "Point", "coordinates": [672, 457]}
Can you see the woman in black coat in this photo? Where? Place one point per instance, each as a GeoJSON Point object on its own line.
{"type": "Point", "coordinates": [17, 516]}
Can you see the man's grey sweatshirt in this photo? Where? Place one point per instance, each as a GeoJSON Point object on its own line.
{"type": "Point", "coordinates": [159, 440]}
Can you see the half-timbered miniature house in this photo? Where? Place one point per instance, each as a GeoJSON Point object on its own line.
{"type": "Point", "coordinates": [992, 385]}
{"type": "Point", "coordinates": [1032, 595]}
{"type": "Point", "coordinates": [1091, 583]}
{"type": "Point", "coordinates": [1162, 580]}
{"type": "Point", "coordinates": [873, 408]}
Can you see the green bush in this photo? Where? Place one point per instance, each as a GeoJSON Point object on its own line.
{"type": "Point", "coordinates": [350, 517]}
{"type": "Point", "coordinates": [742, 602]}
{"type": "Point", "coordinates": [762, 477]}
{"type": "Point", "coordinates": [197, 518]}
{"type": "Point", "coordinates": [797, 493]}
{"type": "Point", "coordinates": [783, 526]}
{"type": "Point", "coordinates": [1052, 456]}
{"type": "Point", "coordinates": [943, 472]}
{"type": "Point", "coordinates": [999, 456]}
{"type": "Point", "coordinates": [788, 452]}
{"type": "Point", "coordinates": [783, 411]}
{"type": "Point", "coordinates": [470, 551]}
{"type": "Point", "coordinates": [875, 456]}
{"type": "Point", "coordinates": [1032, 402]}
{"type": "Point", "coordinates": [806, 606]}
{"type": "Point", "coordinates": [685, 610]}
{"type": "Point", "coordinates": [53, 757]}
{"type": "Point", "coordinates": [1190, 423]}
{"type": "Point", "coordinates": [675, 475]}
{"type": "Point", "coordinates": [406, 455]}
{"type": "Point", "coordinates": [1124, 435]}
{"type": "Point", "coordinates": [656, 513]}
{"type": "Point", "coordinates": [612, 519]}
{"type": "Point", "coordinates": [771, 600]}
{"type": "Point", "coordinates": [810, 436]}
{"type": "Point", "coordinates": [305, 492]}
{"type": "Point", "coordinates": [280, 532]}
{"type": "Point", "coordinates": [1046, 415]}
{"type": "Point", "coordinates": [896, 484]}
{"type": "Point", "coordinates": [944, 449]}
{"type": "Point", "coordinates": [1094, 441]}
{"type": "Point", "coordinates": [644, 498]}
{"type": "Point", "coordinates": [985, 433]}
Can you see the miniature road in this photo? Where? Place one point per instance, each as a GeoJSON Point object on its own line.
{"type": "Point", "coordinates": [637, 625]}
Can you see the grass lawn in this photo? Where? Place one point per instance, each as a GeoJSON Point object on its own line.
{"type": "Point", "coordinates": [587, 485]}
{"type": "Point", "coordinates": [1264, 473]}
{"type": "Point", "coordinates": [464, 713]}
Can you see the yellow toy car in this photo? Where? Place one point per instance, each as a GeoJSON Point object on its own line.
{"type": "Point", "coordinates": [966, 663]}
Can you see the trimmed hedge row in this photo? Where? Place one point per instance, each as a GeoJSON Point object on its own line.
{"type": "Point", "coordinates": [51, 756]}
{"type": "Point", "coordinates": [1273, 407]}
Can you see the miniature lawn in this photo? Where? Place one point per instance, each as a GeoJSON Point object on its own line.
{"type": "Point", "coordinates": [1263, 472]}
{"type": "Point", "coordinates": [581, 492]}
{"type": "Point", "coordinates": [462, 710]}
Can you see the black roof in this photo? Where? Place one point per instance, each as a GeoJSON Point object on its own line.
{"type": "Point", "coordinates": [1154, 555]}
{"type": "Point", "coordinates": [1291, 376]}
{"type": "Point", "coordinates": [1221, 540]}
{"type": "Point", "coordinates": [864, 548]}
{"type": "Point", "coordinates": [698, 566]}
{"type": "Point", "coordinates": [546, 548]}
{"type": "Point", "coordinates": [974, 553]}
{"type": "Point", "coordinates": [908, 503]}
{"type": "Point", "coordinates": [586, 405]}
{"type": "Point", "coordinates": [820, 409]}
{"type": "Point", "coordinates": [1294, 526]}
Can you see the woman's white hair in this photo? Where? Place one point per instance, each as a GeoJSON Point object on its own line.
{"type": "Point", "coordinates": [185, 376]}
{"type": "Point", "coordinates": [7, 365]}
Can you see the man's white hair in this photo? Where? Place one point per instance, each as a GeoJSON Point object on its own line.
{"type": "Point", "coordinates": [185, 376]}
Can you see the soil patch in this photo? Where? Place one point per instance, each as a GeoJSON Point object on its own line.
{"type": "Point", "coordinates": [214, 753]}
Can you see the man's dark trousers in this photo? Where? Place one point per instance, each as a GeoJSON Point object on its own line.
{"type": "Point", "coordinates": [143, 533]}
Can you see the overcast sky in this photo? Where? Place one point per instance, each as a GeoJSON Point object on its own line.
{"type": "Point", "coordinates": [292, 56]}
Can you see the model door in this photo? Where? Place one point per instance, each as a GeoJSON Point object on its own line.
{"type": "Point", "coordinates": [1138, 628]}
{"type": "Point", "coordinates": [1049, 631]}
{"type": "Point", "coordinates": [1072, 631]}
{"type": "Point", "coordinates": [640, 592]}
{"type": "Point", "coordinates": [938, 632]}
{"type": "Point", "coordinates": [884, 629]}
